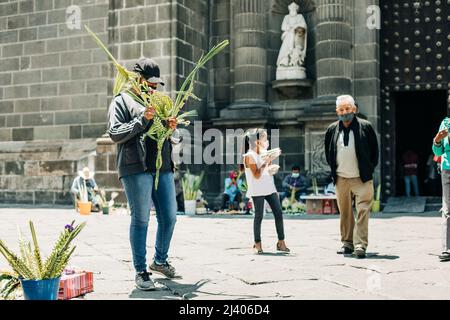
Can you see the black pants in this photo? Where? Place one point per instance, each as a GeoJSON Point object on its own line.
{"type": "Point", "coordinates": [226, 198]}
{"type": "Point", "coordinates": [274, 202]}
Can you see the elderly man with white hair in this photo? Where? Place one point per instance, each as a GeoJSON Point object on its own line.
{"type": "Point", "coordinates": [351, 149]}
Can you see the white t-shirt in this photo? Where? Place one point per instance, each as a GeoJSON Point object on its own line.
{"type": "Point", "coordinates": [347, 162]}
{"type": "Point", "coordinates": [263, 186]}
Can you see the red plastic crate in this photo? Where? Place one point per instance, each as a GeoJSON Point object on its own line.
{"type": "Point", "coordinates": [75, 285]}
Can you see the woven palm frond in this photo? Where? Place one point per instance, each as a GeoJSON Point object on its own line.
{"type": "Point", "coordinates": [164, 106]}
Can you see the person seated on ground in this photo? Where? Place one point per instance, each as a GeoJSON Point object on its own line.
{"type": "Point", "coordinates": [87, 177]}
{"type": "Point", "coordinates": [295, 182]}
{"type": "Point", "coordinates": [232, 195]}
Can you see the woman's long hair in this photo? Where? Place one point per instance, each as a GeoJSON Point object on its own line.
{"type": "Point", "coordinates": [252, 136]}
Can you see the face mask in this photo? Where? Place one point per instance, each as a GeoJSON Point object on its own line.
{"type": "Point", "coordinates": [295, 175]}
{"type": "Point", "coordinates": [346, 117]}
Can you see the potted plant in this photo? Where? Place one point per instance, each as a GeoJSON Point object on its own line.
{"type": "Point", "coordinates": [39, 279]}
{"type": "Point", "coordinates": [106, 205]}
{"type": "Point", "coordinates": [84, 205]}
{"type": "Point", "coordinates": [191, 186]}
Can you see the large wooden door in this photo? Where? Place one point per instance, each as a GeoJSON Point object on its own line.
{"type": "Point", "coordinates": [414, 56]}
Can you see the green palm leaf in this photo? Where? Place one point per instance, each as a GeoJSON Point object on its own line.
{"type": "Point", "coordinates": [37, 252]}
{"type": "Point", "coordinates": [123, 75]}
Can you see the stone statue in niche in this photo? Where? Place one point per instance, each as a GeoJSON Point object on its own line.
{"type": "Point", "coordinates": [293, 49]}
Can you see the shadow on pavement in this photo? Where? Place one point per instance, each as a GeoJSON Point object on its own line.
{"type": "Point", "coordinates": [169, 290]}
{"type": "Point", "coordinates": [276, 254]}
{"type": "Point", "coordinates": [373, 256]}
{"type": "Point", "coordinates": [269, 216]}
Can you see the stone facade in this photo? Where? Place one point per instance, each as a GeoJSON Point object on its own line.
{"type": "Point", "coordinates": [53, 79]}
{"type": "Point", "coordinates": [55, 84]}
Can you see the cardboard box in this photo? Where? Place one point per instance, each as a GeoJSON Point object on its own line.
{"type": "Point", "coordinates": [75, 285]}
{"type": "Point", "coordinates": [321, 206]}
{"type": "Point", "coordinates": [329, 206]}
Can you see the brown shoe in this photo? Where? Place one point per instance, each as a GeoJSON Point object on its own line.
{"type": "Point", "coordinates": [258, 251]}
{"type": "Point", "coordinates": [286, 249]}
{"type": "Point", "coordinates": [360, 252]}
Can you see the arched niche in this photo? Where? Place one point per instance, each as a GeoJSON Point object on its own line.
{"type": "Point", "coordinates": [281, 6]}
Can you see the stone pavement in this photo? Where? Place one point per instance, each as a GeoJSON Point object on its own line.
{"type": "Point", "coordinates": [214, 255]}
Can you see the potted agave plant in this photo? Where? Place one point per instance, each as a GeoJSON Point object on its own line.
{"type": "Point", "coordinates": [39, 279]}
{"type": "Point", "coordinates": [84, 205]}
{"type": "Point", "coordinates": [191, 186]}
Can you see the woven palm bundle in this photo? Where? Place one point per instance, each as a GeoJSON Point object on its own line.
{"type": "Point", "coordinates": [165, 107]}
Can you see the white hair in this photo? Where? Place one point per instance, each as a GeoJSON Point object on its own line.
{"type": "Point", "coordinates": [345, 98]}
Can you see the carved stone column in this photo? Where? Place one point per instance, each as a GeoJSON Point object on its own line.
{"type": "Point", "coordinates": [250, 58]}
{"type": "Point", "coordinates": [333, 50]}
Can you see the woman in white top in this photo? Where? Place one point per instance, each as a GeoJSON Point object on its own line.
{"type": "Point", "coordinates": [261, 186]}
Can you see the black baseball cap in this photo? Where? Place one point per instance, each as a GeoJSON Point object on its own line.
{"type": "Point", "coordinates": [149, 69]}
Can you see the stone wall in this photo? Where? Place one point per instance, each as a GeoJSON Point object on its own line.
{"type": "Point", "coordinates": [52, 78]}
{"type": "Point", "coordinates": [192, 41]}
{"type": "Point", "coordinates": [141, 28]}
{"type": "Point", "coordinates": [105, 168]}
{"type": "Point", "coordinates": [56, 85]}
{"type": "Point", "coordinates": [42, 172]}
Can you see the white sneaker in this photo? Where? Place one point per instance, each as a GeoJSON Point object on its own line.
{"type": "Point", "coordinates": [143, 281]}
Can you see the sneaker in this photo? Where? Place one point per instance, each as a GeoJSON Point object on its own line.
{"type": "Point", "coordinates": [165, 269]}
{"type": "Point", "coordinates": [143, 281]}
{"type": "Point", "coordinates": [360, 252]}
{"type": "Point", "coordinates": [345, 250]}
{"type": "Point", "coordinates": [445, 256]}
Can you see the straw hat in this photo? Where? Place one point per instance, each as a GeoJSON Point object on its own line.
{"type": "Point", "coordinates": [86, 173]}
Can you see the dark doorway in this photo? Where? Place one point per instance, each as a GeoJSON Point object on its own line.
{"type": "Point", "coordinates": [418, 116]}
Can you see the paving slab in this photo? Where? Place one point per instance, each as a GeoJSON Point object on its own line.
{"type": "Point", "coordinates": [214, 254]}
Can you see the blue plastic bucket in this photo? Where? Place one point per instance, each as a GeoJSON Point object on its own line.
{"type": "Point", "coordinates": [40, 289]}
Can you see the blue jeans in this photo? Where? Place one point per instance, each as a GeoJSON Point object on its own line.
{"type": "Point", "coordinates": [415, 184]}
{"type": "Point", "coordinates": [138, 188]}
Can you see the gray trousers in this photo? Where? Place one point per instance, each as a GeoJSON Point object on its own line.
{"type": "Point", "coordinates": [445, 214]}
